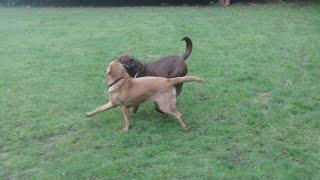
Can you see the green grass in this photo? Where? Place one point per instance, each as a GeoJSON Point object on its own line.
{"type": "Point", "coordinates": [257, 115]}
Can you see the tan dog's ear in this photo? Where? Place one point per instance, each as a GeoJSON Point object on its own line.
{"type": "Point", "coordinates": [108, 70]}
{"type": "Point", "coordinates": [109, 67]}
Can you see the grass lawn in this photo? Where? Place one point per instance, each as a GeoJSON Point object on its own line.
{"type": "Point", "coordinates": [257, 115]}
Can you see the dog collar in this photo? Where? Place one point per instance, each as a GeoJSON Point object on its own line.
{"type": "Point", "coordinates": [114, 82]}
{"type": "Point", "coordinates": [135, 76]}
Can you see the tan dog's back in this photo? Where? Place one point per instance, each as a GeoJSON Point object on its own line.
{"type": "Point", "coordinates": [142, 89]}
{"type": "Point", "coordinates": [160, 82]}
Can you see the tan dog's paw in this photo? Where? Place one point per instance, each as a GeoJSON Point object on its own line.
{"type": "Point", "coordinates": [186, 129]}
{"type": "Point", "coordinates": [126, 128]}
{"type": "Point", "coordinates": [88, 114]}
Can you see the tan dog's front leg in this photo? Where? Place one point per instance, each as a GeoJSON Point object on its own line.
{"type": "Point", "coordinates": [125, 112]}
{"type": "Point", "coordinates": [100, 109]}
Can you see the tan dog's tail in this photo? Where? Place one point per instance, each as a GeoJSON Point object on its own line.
{"type": "Point", "coordinates": [179, 80]}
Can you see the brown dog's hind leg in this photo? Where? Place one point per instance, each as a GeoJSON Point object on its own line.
{"type": "Point", "coordinates": [178, 89]}
{"type": "Point", "coordinates": [135, 108]}
{"type": "Point", "coordinates": [100, 109]}
{"type": "Point", "coordinates": [125, 112]}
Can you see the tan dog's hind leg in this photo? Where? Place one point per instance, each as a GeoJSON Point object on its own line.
{"type": "Point", "coordinates": [125, 112]}
{"type": "Point", "coordinates": [167, 104]}
{"type": "Point", "coordinates": [177, 115]}
{"type": "Point", "coordinates": [100, 109]}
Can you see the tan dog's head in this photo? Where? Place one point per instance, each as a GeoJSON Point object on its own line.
{"type": "Point", "coordinates": [116, 70]}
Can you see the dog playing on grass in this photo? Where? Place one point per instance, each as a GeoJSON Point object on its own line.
{"type": "Point", "coordinates": [126, 92]}
{"type": "Point", "coordinates": [168, 67]}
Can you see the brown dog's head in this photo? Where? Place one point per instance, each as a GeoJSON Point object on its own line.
{"type": "Point", "coordinates": [131, 64]}
{"type": "Point", "coordinates": [116, 70]}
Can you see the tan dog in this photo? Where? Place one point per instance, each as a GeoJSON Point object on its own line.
{"type": "Point", "coordinates": [126, 92]}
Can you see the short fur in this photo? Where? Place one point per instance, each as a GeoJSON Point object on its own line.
{"type": "Point", "coordinates": [129, 92]}
{"type": "Point", "coordinates": [168, 66]}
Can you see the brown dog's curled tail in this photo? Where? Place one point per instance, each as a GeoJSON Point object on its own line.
{"type": "Point", "coordinates": [179, 80]}
{"type": "Point", "coordinates": [187, 53]}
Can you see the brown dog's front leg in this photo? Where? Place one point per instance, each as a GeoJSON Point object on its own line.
{"type": "Point", "coordinates": [100, 109]}
{"type": "Point", "coordinates": [125, 112]}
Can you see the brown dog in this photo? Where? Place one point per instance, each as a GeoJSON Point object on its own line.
{"type": "Point", "coordinates": [168, 67]}
{"type": "Point", "coordinates": [126, 92]}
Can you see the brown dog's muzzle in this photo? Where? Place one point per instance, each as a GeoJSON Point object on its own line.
{"type": "Point", "coordinates": [130, 69]}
